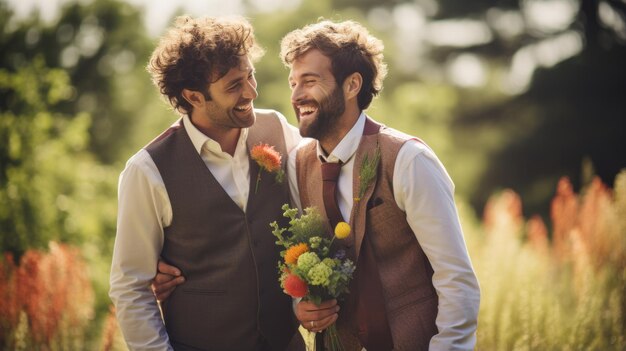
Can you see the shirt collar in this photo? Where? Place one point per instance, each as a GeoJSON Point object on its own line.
{"type": "Point", "coordinates": [347, 146]}
{"type": "Point", "coordinates": [200, 140]}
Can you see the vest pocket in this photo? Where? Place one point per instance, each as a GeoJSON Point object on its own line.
{"type": "Point", "coordinates": [388, 231]}
{"type": "Point", "coordinates": [384, 216]}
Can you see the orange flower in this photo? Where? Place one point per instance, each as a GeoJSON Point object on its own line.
{"type": "Point", "coordinates": [295, 287]}
{"type": "Point", "coordinates": [269, 160]}
{"type": "Point", "coordinates": [266, 157]}
{"type": "Point", "coordinates": [292, 254]}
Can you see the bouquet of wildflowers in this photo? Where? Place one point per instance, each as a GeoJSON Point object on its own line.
{"type": "Point", "coordinates": [311, 269]}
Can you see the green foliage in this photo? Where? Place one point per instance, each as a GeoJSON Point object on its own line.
{"type": "Point", "coordinates": [51, 186]}
{"type": "Point", "coordinates": [31, 182]}
{"type": "Point", "coordinates": [367, 171]}
{"type": "Point", "coordinates": [103, 52]}
{"type": "Point", "coordinates": [73, 94]}
{"type": "Point", "coordinates": [310, 224]}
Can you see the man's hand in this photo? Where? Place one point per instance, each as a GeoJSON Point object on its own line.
{"type": "Point", "coordinates": [166, 280]}
{"type": "Point", "coordinates": [317, 318]}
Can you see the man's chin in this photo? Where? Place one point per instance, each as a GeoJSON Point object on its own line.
{"type": "Point", "coordinates": [245, 121]}
{"type": "Point", "coordinates": [305, 130]}
{"type": "Point", "coordinates": [310, 132]}
{"type": "Point", "coordinates": [308, 126]}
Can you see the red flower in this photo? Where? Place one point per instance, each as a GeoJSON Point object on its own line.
{"type": "Point", "coordinates": [295, 287]}
{"type": "Point", "coordinates": [267, 158]}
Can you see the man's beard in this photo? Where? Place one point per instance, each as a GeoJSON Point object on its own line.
{"type": "Point", "coordinates": [328, 113]}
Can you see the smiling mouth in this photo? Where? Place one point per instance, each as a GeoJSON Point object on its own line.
{"type": "Point", "coordinates": [306, 110]}
{"type": "Point", "coordinates": [243, 108]}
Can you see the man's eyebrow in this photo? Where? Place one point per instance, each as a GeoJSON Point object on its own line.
{"type": "Point", "coordinates": [251, 70]}
{"type": "Point", "coordinates": [307, 74]}
{"type": "Point", "coordinates": [236, 80]}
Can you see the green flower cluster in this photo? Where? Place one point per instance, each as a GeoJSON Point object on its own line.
{"type": "Point", "coordinates": [319, 274]}
{"type": "Point", "coordinates": [307, 260]}
{"type": "Point", "coordinates": [315, 242]}
{"type": "Point", "coordinates": [330, 262]}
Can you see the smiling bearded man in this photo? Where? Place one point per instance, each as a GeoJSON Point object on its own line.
{"type": "Point", "coordinates": [414, 286]}
{"type": "Point", "coordinates": [318, 117]}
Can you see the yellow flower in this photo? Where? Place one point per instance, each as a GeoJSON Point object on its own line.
{"type": "Point", "coordinates": [292, 254]}
{"type": "Point", "coordinates": [342, 230]}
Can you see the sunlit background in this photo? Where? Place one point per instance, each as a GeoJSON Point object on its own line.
{"type": "Point", "coordinates": [523, 101]}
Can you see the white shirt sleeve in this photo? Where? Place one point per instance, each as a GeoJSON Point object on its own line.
{"type": "Point", "coordinates": [424, 190]}
{"type": "Point", "coordinates": [142, 209]}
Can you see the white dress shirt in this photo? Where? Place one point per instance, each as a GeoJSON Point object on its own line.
{"type": "Point", "coordinates": [144, 209]}
{"type": "Point", "coordinates": [424, 191]}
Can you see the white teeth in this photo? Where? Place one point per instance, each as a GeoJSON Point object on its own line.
{"type": "Point", "coordinates": [242, 107]}
{"type": "Point", "coordinates": [307, 109]}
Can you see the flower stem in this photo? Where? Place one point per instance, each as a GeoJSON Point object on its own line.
{"type": "Point", "coordinates": [258, 179]}
{"type": "Point", "coordinates": [333, 338]}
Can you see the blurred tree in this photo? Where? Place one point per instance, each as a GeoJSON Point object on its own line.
{"type": "Point", "coordinates": [546, 98]}
{"type": "Point", "coordinates": [49, 183]}
{"type": "Point", "coordinates": [53, 186]}
{"type": "Point", "coordinates": [570, 120]}
{"type": "Point", "coordinates": [103, 49]}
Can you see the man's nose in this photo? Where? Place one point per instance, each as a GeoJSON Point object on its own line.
{"type": "Point", "coordinates": [250, 91]}
{"type": "Point", "coordinates": [296, 94]}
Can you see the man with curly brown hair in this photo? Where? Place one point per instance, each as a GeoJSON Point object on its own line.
{"type": "Point", "coordinates": [414, 287]}
{"type": "Point", "coordinates": [191, 197]}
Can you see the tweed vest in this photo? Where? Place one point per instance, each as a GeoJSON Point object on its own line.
{"type": "Point", "coordinates": [231, 299]}
{"type": "Point", "coordinates": [405, 272]}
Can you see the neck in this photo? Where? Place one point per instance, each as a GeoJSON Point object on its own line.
{"type": "Point", "coordinates": [226, 137]}
{"type": "Point", "coordinates": [344, 124]}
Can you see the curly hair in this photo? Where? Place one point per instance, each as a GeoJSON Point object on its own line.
{"type": "Point", "coordinates": [197, 52]}
{"type": "Point", "coordinates": [350, 47]}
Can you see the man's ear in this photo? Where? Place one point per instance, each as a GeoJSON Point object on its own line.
{"type": "Point", "coordinates": [195, 98]}
{"type": "Point", "coordinates": [352, 85]}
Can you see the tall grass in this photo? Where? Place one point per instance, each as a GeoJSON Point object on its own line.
{"type": "Point", "coordinates": [112, 339]}
{"type": "Point", "coordinates": [562, 288]}
{"type": "Point", "coordinates": [564, 291]}
{"type": "Point", "coordinates": [46, 302]}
